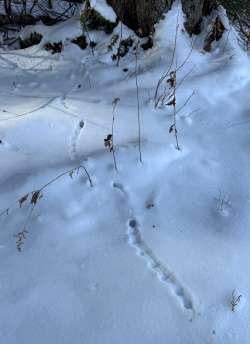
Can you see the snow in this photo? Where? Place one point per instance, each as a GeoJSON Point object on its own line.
{"type": "Point", "coordinates": [62, 32]}
{"type": "Point", "coordinates": [104, 9]}
{"type": "Point", "coordinates": [151, 253]}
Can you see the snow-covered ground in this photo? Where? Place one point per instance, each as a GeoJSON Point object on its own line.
{"type": "Point", "coordinates": [153, 252]}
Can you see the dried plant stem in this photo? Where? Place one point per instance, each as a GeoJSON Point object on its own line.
{"type": "Point", "coordinates": [163, 77]}
{"type": "Point", "coordinates": [47, 103]}
{"type": "Point", "coordinates": [187, 57]}
{"type": "Point", "coordinates": [70, 172]}
{"type": "Point", "coordinates": [119, 48]}
{"type": "Point", "coordinates": [21, 236]}
{"type": "Point", "coordinates": [33, 197]}
{"type": "Point", "coordinates": [235, 300]}
{"type": "Point", "coordinates": [116, 100]}
{"type": "Point", "coordinates": [174, 118]}
{"type": "Point", "coordinates": [186, 102]}
{"type": "Point", "coordinates": [138, 102]}
{"type": "Point", "coordinates": [172, 102]}
{"type": "Point", "coordinates": [39, 191]}
{"type": "Point", "coordinates": [89, 38]}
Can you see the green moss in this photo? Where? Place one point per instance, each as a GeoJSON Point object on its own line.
{"type": "Point", "coordinates": [93, 20]}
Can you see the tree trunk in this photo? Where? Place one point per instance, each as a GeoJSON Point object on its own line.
{"type": "Point", "coordinates": [194, 11]}
{"type": "Point", "coordinates": [141, 15]}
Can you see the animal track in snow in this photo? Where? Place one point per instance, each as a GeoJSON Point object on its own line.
{"type": "Point", "coordinates": [7, 146]}
{"type": "Point", "coordinates": [74, 140]}
{"type": "Point", "coordinates": [164, 274]}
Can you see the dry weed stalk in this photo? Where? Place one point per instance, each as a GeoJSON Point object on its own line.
{"type": "Point", "coordinates": [169, 78]}
{"type": "Point", "coordinates": [165, 75]}
{"type": "Point", "coordinates": [33, 198]}
{"type": "Point", "coordinates": [235, 300]}
{"type": "Point", "coordinates": [119, 48]}
{"type": "Point", "coordinates": [138, 101]}
{"type": "Point", "coordinates": [172, 102]}
{"type": "Point", "coordinates": [109, 140]}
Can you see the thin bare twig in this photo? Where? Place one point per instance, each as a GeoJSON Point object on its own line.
{"type": "Point", "coordinates": [115, 102]}
{"type": "Point", "coordinates": [138, 102]}
{"type": "Point", "coordinates": [185, 103]}
{"type": "Point", "coordinates": [163, 77]}
{"type": "Point", "coordinates": [119, 48]}
{"type": "Point", "coordinates": [174, 113]}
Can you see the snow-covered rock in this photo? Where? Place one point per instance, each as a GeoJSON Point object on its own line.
{"type": "Point", "coordinates": [104, 9]}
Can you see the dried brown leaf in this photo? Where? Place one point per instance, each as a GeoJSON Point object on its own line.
{"type": "Point", "coordinates": [23, 199]}
{"type": "Point", "coordinates": [35, 197]}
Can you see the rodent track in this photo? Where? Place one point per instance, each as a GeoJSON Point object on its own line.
{"type": "Point", "coordinates": [164, 274]}
{"type": "Point", "coordinates": [74, 140]}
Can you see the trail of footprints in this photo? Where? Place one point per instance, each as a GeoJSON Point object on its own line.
{"type": "Point", "coordinates": [135, 238]}
{"type": "Point", "coordinates": [74, 140]}
{"type": "Point", "coordinates": [167, 277]}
